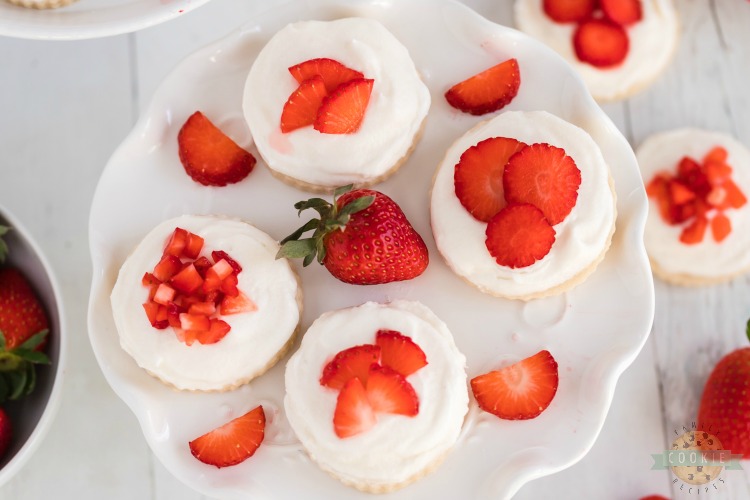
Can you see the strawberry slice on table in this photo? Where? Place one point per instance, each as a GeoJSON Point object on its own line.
{"type": "Point", "coordinates": [389, 392]}
{"type": "Point", "coordinates": [478, 176]}
{"type": "Point", "coordinates": [209, 156]}
{"type": "Point", "coordinates": [519, 235]}
{"type": "Point", "coordinates": [353, 414]}
{"type": "Point", "coordinates": [350, 363]}
{"type": "Point", "coordinates": [399, 352]}
{"type": "Point", "coordinates": [544, 176]}
{"type": "Point", "coordinates": [569, 11]}
{"type": "Point", "coordinates": [520, 391]}
{"type": "Point", "coordinates": [622, 12]}
{"type": "Point", "coordinates": [343, 110]}
{"type": "Point", "coordinates": [331, 71]}
{"type": "Point", "coordinates": [601, 43]}
{"type": "Point", "coordinates": [301, 109]}
{"type": "Point", "coordinates": [233, 442]}
{"type": "Point", "coordinates": [488, 91]}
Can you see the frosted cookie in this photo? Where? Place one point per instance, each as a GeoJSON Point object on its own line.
{"type": "Point", "coordinates": [523, 206]}
{"type": "Point", "coordinates": [203, 304]}
{"type": "Point", "coordinates": [377, 394]}
{"type": "Point", "coordinates": [697, 182]}
{"type": "Point", "coordinates": [332, 103]}
{"type": "Point", "coordinates": [42, 4]}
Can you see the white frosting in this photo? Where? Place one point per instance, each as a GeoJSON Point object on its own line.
{"type": "Point", "coordinates": [580, 238]}
{"type": "Point", "coordinates": [652, 42]}
{"type": "Point", "coordinates": [397, 447]}
{"type": "Point", "coordinates": [398, 104]}
{"type": "Point", "coordinates": [708, 259]}
{"type": "Point", "coordinates": [255, 337]}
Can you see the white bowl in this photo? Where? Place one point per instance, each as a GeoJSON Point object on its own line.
{"type": "Point", "coordinates": [32, 416]}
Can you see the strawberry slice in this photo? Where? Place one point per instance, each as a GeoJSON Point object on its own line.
{"type": "Point", "coordinates": [718, 154]}
{"type": "Point", "coordinates": [716, 172]}
{"type": "Point", "coordinates": [187, 281]}
{"type": "Point", "coordinates": [216, 331]}
{"type": "Point", "coordinates": [350, 363]}
{"type": "Point", "coordinates": [695, 231]}
{"type": "Point", "coordinates": [622, 12]}
{"type": "Point", "coordinates": [301, 109]}
{"type": "Point", "coordinates": [601, 43]}
{"type": "Point", "coordinates": [209, 156]}
{"type": "Point", "coordinates": [721, 226]}
{"type": "Point", "coordinates": [478, 176]}
{"type": "Point", "coordinates": [353, 414]}
{"type": "Point", "coordinates": [544, 176]}
{"type": "Point", "coordinates": [735, 198]}
{"type": "Point", "coordinates": [520, 391]}
{"type": "Point", "coordinates": [680, 193]}
{"type": "Point", "coordinates": [342, 111]}
{"type": "Point", "coordinates": [488, 91]}
{"type": "Point", "coordinates": [399, 352]}
{"type": "Point", "coordinates": [168, 266]}
{"type": "Point", "coordinates": [331, 71]}
{"type": "Point", "coordinates": [233, 442]}
{"type": "Point", "coordinates": [519, 235]}
{"type": "Point", "coordinates": [236, 305]}
{"type": "Point", "coordinates": [569, 11]}
{"type": "Point", "coordinates": [389, 392]}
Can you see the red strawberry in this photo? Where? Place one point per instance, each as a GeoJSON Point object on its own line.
{"type": "Point", "coordinates": [389, 392]}
{"type": "Point", "coordinates": [353, 413]}
{"type": "Point", "coordinates": [350, 363]}
{"type": "Point", "coordinates": [478, 176]}
{"type": "Point", "coordinates": [343, 110]}
{"type": "Point", "coordinates": [694, 232]}
{"type": "Point", "coordinates": [569, 11]}
{"type": "Point", "coordinates": [680, 193]}
{"type": "Point", "coordinates": [209, 156]}
{"type": "Point", "coordinates": [301, 109]}
{"type": "Point", "coordinates": [331, 71]}
{"type": "Point", "coordinates": [519, 235]}
{"type": "Point", "coordinates": [399, 352]}
{"type": "Point", "coordinates": [233, 442]}
{"type": "Point", "coordinates": [601, 43]}
{"type": "Point", "coordinates": [721, 226]}
{"type": "Point", "coordinates": [718, 154]}
{"type": "Point", "coordinates": [488, 91]}
{"type": "Point", "coordinates": [544, 176]}
{"type": "Point", "coordinates": [520, 391]}
{"type": "Point", "coordinates": [6, 432]}
{"type": "Point", "coordinates": [622, 12]}
{"type": "Point", "coordinates": [21, 314]}
{"type": "Point", "coordinates": [363, 238]}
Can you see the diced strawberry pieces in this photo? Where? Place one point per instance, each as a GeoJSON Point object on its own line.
{"type": "Point", "coordinates": [721, 226]}
{"type": "Point", "coordinates": [680, 193]}
{"type": "Point", "coordinates": [218, 255]}
{"type": "Point", "coordinates": [690, 173]}
{"type": "Point", "coordinates": [229, 286]}
{"type": "Point", "coordinates": [343, 110]}
{"type": "Point", "coordinates": [168, 266]}
{"type": "Point", "coordinates": [149, 280]}
{"type": "Point", "coordinates": [622, 12]}
{"type": "Point", "coordinates": [236, 305]}
{"type": "Point", "coordinates": [520, 391]}
{"type": "Point", "coordinates": [717, 172]}
{"type": "Point", "coordinates": [187, 281]}
{"type": "Point", "coordinates": [176, 243]}
{"type": "Point", "coordinates": [478, 176]}
{"type": "Point", "coordinates": [233, 442]}
{"type": "Point", "coordinates": [198, 322]}
{"type": "Point", "coordinates": [222, 268]}
{"type": "Point", "coordinates": [211, 282]}
{"type": "Point", "coordinates": [217, 330]}
{"type": "Point", "coordinates": [695, 231]}
{"type": "Point", "coordinates": [204, 308]}
{"type": "Point", "coordinates": [718, 154]}
{"type": "Point", "coordinates": [162, 319]}
{"type": "Point", "coordinates": [658, 188]}
{"type": "Point", "coordinates": [519, 235]}
{"type": "Point", "coordinates": [151, 309]}
{"type": "Point", "coordinates": [164, 294]}
{"type": "Point", "coordinates": [399, 352]}
{"type": "Point", "coordinates": [193, 246]}
{"type": "Point", "coordinates": [332, 72]}
{"type": "Point", "coordinates": [545, 177]}
{"type": "Point", "coordinates": [735, 197]}
{"type": "Point", "coordinates": [301, 109]}
{"type": "Point", "coordinates": [173, 315]}
{"type": "Point", "coordinates": [568, 11]}
{"type": "Point", "coordinates": [488, 91]}
{"type": "Point", "coordinates": [350, 363]}
{"type": "Point", "coordinates": [601, 43]}
{"type": "Point", "coordinates": [389, 392]}
{"type": "Point", "coordinates": [201, 265]}
{"type": "Point", "coordinates": [353, 414]}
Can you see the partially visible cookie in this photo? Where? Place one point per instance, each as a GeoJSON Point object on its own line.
{"type": "Point", "coordinates": [42, 4]}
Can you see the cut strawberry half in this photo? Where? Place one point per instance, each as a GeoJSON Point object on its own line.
{"type": "Point", "coordinates": [233, 442]}
{"type": "Point", "coordinates": [519, 235]}
{"type": "Point", "coordinates": [544, 176]}
{"type": "Point", "coordinates": [342, 111]}
{"type": "Point", "coordinates": [569, 11]}
{"type": "Point", "coordinates": [399, 352]}
{"type": "Point", "coordinates": [332, 72]}
{"type": "Point", "coordinates": [350, 363]}
{"type": "Point", "coordinates": [622, 12]}
{"type": "Point", "coordinates": [389, 392]}
{"type": "Point", "coordinates": [601, 42]}
{"type": "Point", "coordinates": [488, 91]}
{"type": "Point", "coordinates": [478, 176]}
{"type": "Point", "coordinates": [353, 414]}
{"type": "Point", "coordinates": [520, 391]}
{"type": "Point", "coordinates": [301, 109]}
{"type": "Point", "coordinates": [209, 156]}
{"type": "Point", "coordinates": [694, 232]}
{"type": "Point", "coordinates": [721, 226]}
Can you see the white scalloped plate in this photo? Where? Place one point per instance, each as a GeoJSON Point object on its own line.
{"type": "Point", "coordinates": [594, 331]}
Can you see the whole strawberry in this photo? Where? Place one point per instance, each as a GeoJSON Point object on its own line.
{"type": "Point", "coordinates": [362, 238]}
{"type": "Point", "coordinates": [725, 404]}
{"type": "Point", "coordinates": [6, 432]}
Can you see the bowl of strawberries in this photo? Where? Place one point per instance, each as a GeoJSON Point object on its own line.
{"type": "Point", "coordinates": [32, 349]}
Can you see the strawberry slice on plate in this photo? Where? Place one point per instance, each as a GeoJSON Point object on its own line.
{"type": "Point", "coordinates": [342, 111]}
{"type": "Point", "coordinates": [233, 442]}
{"type": "Point", "coordinates": [353, 414]}
{"type": "Point", "coordinates": [569, 11]}
{"type": "Point", "coordinates": [601, 42]}
{"type": "Point", "coordinates": [331, 71]}
{"type": "Point", "coordinates": [519, 235]}
{"type": "Point", "coordinates": [301, 109]}
{"type": "Point", "coordinates": [399, 352]}
{"type": "Point", "coordinates": [488, 91]}
{"type": "Point", "coordinates": [389, 392]}
{"type": "Point", "coordinates": [350, 363]}
{"type": "Point", "coordinates": [622, 12]}
{"type": "Point", "coordinates": [520, 391]}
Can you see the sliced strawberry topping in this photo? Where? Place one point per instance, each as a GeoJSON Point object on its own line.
{"type": "Point", "coordinates": [691, 174]}
{"type": "Point", "coordinates": [695, 231]}
{"type": "Point", "coordinates": [680, 193]}
{"type": "Point", "coordinates": [721, 226]}
{"type": "Point", "coordinates": [233, 442]}
{"type": "Point", "coordinates": [353, 414]}
{"type": "Point", "coordinates": [176, 243]}
{"type": "Point", "coordinates": [193, 246]}
{"type": "Point", "coordinates": [216, 331]}
{"type": "Point", "coordinates": [478, 176]}
{"type": "Point", "coordinates": [235, 305]}
{"type": "Point", "coordinates": [601, 42]}
{"type": "Point", "coordinates": [488, 91]}
{"type": "Point", "coordinates": [569, 11]}
{"type": "Point", "coordinates": [519, 235]}
{"type": "Point", "coordinates": [332, 72]}
{"type": "Point", "coordinates": [350, 363]}
{"type": "Point", "coordinates": [343, 110]}
{"type": "Point", "coordinates": [168, 266]}
{"type": "Point", "coordinates": [399, 352]}
{"type": "Point", "coordinates": [544, 176]}
{"type": "Point", "coordinates": [735, 198]}
{"type": "Point", "coordinates": [520, 391]}
{"type": "Point", "coordinates": [717, 172]}
{"type": "Point", "coordinates": [389, 392]}
{"type": "Point", "coordinates": [164, 294]}
{"type": "Point", "coordinates": [154, 314]}
{"type": "Point", "coordinates": [622, 12]}
{"type": "Point", "coordinates": [301, 109]}
{"type": "Point", "coordinates": [187, 281]}
{"type": "Point", "coordinates": [205, 308]}
{"type": "Point", "coordinates": [718, 154]}
{"type": "Point", "coordinates": [218, 255]}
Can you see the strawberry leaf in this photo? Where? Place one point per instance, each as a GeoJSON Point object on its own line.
{"type": "Point", "coordinates": [296, 249]}
{"type": "Point", "coordinates": [35, 340]}
{"type": "Point", "coordinates": [342, 190]}
{"type": "Point", "coordinates": [3, 245]}
{"type": "Point", "coordinates": [31, 379]}
{"type": "Point", "coordinates": [17, 381]}
{"type": "Point", "coordinates": [35, 357]}
{"type": "Point", "coordinates": [309, 226]}
{"type": "Point", "coordinates": [318, 204]}
{"type": "Point", "coordinates": [356, 206]}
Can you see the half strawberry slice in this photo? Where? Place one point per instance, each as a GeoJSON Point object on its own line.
{"type": "Point", "coordinates": [488, 91]}
{"type": "Point", "coordinates": [233, 442]}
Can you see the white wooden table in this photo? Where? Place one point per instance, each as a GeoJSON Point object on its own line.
{"type": "Point", "coordinates": [65, 106]}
